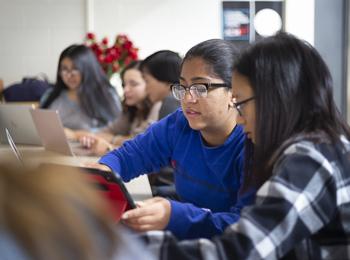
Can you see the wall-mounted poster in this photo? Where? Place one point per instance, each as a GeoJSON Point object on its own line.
{"type": "Point", "coordinates": [236, 21]}
{"type": "Point", "coordinates": [246, 21]}
{"type": "Point", "coordinates": [236, 24]}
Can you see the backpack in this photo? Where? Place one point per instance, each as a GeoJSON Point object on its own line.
{"type": "Point", "coordinates": [30, 89]}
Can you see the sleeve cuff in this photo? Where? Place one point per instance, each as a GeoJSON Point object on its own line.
{"type": "Point", "coordinates": [110, 161]}
{"type": "Point", "coordinates": [178, 222]}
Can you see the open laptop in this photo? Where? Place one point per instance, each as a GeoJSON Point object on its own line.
{"type": "Point", "coordinates": [109, 184]}
{"type": "Point", "coordinates": [13, 147]}
{"type": "Point", "coordinates": [51, 132]}
{"type": "Point", "coordinates": [18, 120]}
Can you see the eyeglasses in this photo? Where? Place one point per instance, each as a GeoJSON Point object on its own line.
{"type": "Point", "coordinates": [238, 105]}
{"type": "Point", "coordinates": [66, 72]}
{"type": "Point", "coordinates": [197, 90]}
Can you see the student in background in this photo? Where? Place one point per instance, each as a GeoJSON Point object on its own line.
{"type": "Point", "coordinates": [160, 70]}
{"type": "Point", "coordinates": [298, 156]}
{"type": "Point", "coordinates": [138, 113]}
{"type": "Point", "coordinates": [201, 141]}
{"type": "Point", "coordinates": [82, 94]}
{"type": "Point", "coordinates": [48, 213]}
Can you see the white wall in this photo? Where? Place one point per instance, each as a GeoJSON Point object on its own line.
{"type": "Point", "coordinates": [34, 32]}
{"type": "Point", "coordinates": [300, 19]}
{"type": "Point", "coordinates": [160, 24]}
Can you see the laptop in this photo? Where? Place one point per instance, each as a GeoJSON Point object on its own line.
{"type": "Point", "coordinates": [51, 132]}
{"type": "Point", "coordinates": [109, 184]}
{"type": "Point", "coordinates": [18, 120]}
{"type": "Point", "coordinates": [13, 147]}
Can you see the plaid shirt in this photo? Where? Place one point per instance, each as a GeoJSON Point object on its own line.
{"type": "Point", "coordinates": [301, 212]}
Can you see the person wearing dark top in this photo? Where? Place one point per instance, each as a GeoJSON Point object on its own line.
{"type": "Point", "coordinates": [298, 155]}
{"type": "Point", "coordinates": [160, 70]}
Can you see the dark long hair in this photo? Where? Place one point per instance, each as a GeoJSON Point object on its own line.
{"type": "Point", "coordinates": [134, 111]}
{"type": "Point", "coordinates": [293, 92]}
{"type": "Point", "coordinates": [163, 65]}
{"type": "Point", "coordinates": [218, 54]}
{"type": "Point", "coordinates": [95, 90]}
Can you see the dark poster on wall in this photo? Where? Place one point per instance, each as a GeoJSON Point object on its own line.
{"type": "Point", "coordinates": [236, 22]}
{"type": "Point", "coordinates": [247, 21]}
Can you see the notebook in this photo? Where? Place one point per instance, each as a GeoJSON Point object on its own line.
{"type": "Point", "coordinates": [18, 120]}
{"type": "Point", "coordinates": [51, 132]}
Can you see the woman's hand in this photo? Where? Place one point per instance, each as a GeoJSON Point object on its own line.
{"type": "Point", "coordinates": [97, 145]}
{"type": "Point", "coordinates": [75, 134]}
{"type": "Point", "coordinates": [151, 214]}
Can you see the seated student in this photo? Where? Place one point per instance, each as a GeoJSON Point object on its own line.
{"type": "Point", "coordinates": [83, 95]}
{"type": "Point", "coordinates": [299, 157]}
{"type": "Point", "coordinates": [203, 144]}
{"type": "Point", "coordinates": [49, 214]}
{"type": "Point", "coordinates": [160, 70]}
{"type": "Point", "coordinates": [138, 113]}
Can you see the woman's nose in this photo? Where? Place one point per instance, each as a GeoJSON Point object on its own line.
{"type": "Point", "coordinates": [188, 98]}
{"type": "Point", "coordinates": [240, 119]}
{"type": "Point", "coordinates": [126, 88]}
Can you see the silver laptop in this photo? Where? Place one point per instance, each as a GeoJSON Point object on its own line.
{"type": "Point", "coordinates": [18, 120]}
{"type": "Point", "coordinates": [51, 132]}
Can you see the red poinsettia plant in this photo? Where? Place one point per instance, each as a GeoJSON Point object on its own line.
{"type": "Point", "coordinates": [115, 57]}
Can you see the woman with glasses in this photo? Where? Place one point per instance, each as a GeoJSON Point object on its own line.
{"type": "Point", "coordinates": [201, 141]}
{"type": "Point", "coordinates": [82, 94]}
{"type": "Point", "coordinates": [298, 157]}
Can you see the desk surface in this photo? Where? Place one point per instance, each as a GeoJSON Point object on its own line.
{"type": "Point", "coordinates": [139, 188]}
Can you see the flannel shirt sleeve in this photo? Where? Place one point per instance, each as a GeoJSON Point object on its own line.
{"type": "Point", "coordinates": [295, 203]}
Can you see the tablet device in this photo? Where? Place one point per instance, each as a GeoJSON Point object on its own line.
{"type": "Point", "coordinates": [109, 184]}
{"type": "Point", "coordinates": [112, 183]}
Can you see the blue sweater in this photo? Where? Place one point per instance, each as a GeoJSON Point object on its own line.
{"type": "Point", "coordinates": [207, 179]}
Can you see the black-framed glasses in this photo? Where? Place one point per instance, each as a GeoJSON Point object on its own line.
{"type": "Point", "coordinates": [238, 105]}
{"type": "Point", "coordinates": [196, 90]}
{"type": "Point", "coordinates": [67, 72]}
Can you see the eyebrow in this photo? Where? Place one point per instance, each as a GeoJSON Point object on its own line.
{"type": "Point", "coordinates": [195, 78]}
